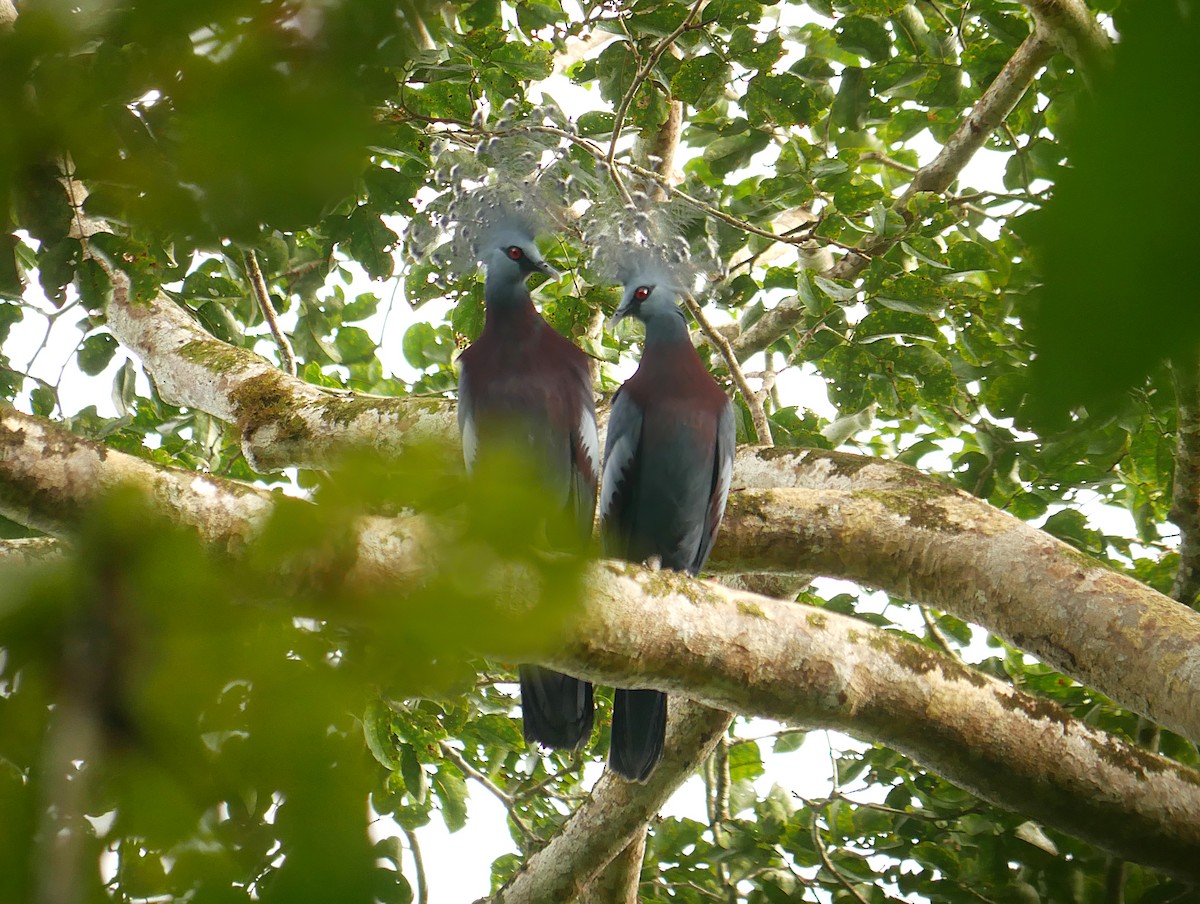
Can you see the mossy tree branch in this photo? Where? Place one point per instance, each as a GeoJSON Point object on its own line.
{"type": "Point", "coordinates": [725, 649]}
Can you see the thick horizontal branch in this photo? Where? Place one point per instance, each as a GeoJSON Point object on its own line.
{"type": "Point", "coordinates": [814, 668]}
{"type": "Point", "coordinates": [996, 102]}
{"type": "Point", "coordinates": [48, 476]}
{"type": "Point", "coordinates": [283, 421]}
{"type": "Point", "coordinates": [744, 653]}
{"type": "Point", "coordinates": [1003, 587]}
{"type": "Point", "coordinates": [890, 527]}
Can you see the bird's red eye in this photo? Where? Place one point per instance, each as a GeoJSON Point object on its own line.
{"type": "Point", "coordinates": [641, 293]}
{"type": "Point", "coordinates": [515, 253]}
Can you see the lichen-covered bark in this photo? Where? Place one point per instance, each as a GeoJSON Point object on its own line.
{"type": "Point", "coordinates": [27, 551]}
{"type": "Point", "coordinates": [283, 421]}
{"type": "Point", "coordinates": [1074, 28]}
{"type": "Point", "coordinates": [1185, 491]}
{"type": "Point", "coordinates": [731, 650]}
{"type": "Point", "coordinates": [48, 475]}
{"type": "Point", "coordinates": [810, 667]}
{"type": "Point", "coordinates": [935, 545]}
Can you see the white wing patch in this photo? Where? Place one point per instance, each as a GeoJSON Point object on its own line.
{"type": "Point", "coordinates": [590, 439]}
{"type": "Point", "coordinates": [619, 456]}
{"type": "Point", "coordinates": [470, 442]}
{"type": "Point", "coordinates": [466, 419]}
{"type": "Point", "coordinates": [723, 481]}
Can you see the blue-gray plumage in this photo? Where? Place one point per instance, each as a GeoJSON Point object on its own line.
{"type": "Point", "coordinates": [523, 385]}
{"type": "Point", "coordinates": [667, 466]}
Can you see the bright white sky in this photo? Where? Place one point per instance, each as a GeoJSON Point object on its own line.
{"type": "Point", "coordinates": [458, 866]}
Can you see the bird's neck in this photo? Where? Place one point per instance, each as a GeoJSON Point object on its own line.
{"type": "Point", "coordinates": [507, 304]}
{"type": "Point", "coordinates": [666, 328]}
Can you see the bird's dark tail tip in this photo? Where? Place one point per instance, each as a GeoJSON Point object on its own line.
{"type": "Point", "coordinates": [556, 709]}
{"type": "Point", "coordinates": [638, 731]}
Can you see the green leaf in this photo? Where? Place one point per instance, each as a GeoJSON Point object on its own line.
{"type": "Point", "coordinates": [533, 15]}
{"type": "Point", "coordinates": [95, 353]}
{"type": "Point", "coordinates": [43, 400]}
{"type": "Point", "coordinates": [377, 730]}
{"type": "Point", "coordinates": [616, 68]}
{"type": "Point", "coordinates": [95, 286]}
{"type": "Point", "coordinates": [56, 268]}
{"type": "Point", "coordinates": [124, 389]}
{"type": "Point", "coordinates": [700, 81]}
{"type": "Point", "coordinates": [363, 306]}
{"type": "Point", "coordinates": [853, 98]}
{"type": "Point", "coordinates": [451, 790]}
{"type": "Point", "coordinates": [370, 242]}
{"type": "Point", "coordinates": [9, 314]}
{"type": "Point", "coordinates": [865, 37]}
{"type": "Point", "coordinates": [416, 779]}
{"type": "Point", "coordinates": [745, 762]}
{"type": "Point", "coordinates": [783, 99]}
{"type": "Point", "coordinates": [596, 124]}
{"type": "Point", "coordinates": [354, 344]}
{"type": "Point", "coordinates": [787, 743]}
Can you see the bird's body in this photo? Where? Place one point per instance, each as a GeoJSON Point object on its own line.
{"type": "Point", "coordinates": [667, 468]}
{"type": "Point", "coordinates": [527, 389]}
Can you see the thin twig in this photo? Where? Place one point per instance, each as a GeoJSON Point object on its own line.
{"type": "Point", "coordinates": [890, 162]}
{"type": "Point", "coordinates": [471, 772]}
{"type": "Point", "coordinates": [504, 797]}
{"type": "Point", "coordinates": [936, 633]}
{"type": "Point", "coordinates": [419, 864]}
{"type": "Point", "coordinates": [720, 813]}
{"type": "Point", "coordinates": [762, 426]}
{"type": "Point", "coordinates": [819, 844]}
{"type": "Point", "coordinates": [639, 77]}
{"type": "Point", "coordinates": [259, 285]}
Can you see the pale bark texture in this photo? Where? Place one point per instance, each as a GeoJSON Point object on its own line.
{"type": "Point", "coordinates": [877, 522]}
{"type": "Point", "coordinates": [725, 649]}
{"type": "Point", "coordinates": [283, 421]}
{"type": "Point", "coordinates": [931, 544]}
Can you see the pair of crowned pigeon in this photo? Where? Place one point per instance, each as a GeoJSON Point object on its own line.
{"type": "Point", "coordinates": [668, 458]}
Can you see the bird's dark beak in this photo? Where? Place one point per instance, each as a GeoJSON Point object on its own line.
{"type": "Point", "coordinates": [550, 271]}
{"type": "Point", "coordinates": [622, 311]}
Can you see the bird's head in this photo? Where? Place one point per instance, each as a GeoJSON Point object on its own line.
{"type": "Point", "coordinates": [649, 291]}
{"type": "Point", "coordinates": [510, 255]}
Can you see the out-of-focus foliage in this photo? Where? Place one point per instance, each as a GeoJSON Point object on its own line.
{"type": "Point", "coordinates": [1111, 313]}
{"type": "Point", "coordinates": [217, 703]}
{"type": "Point", "coordinates": [228, 733]}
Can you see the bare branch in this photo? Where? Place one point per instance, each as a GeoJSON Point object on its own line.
{"type": "Point", "coordinates": [929, 543]}
{"type": "Point", "coordinates": [638, 78]}
{"type": "Point", "coordinates": [758, 414]}
{"type": "Point", "coordinates": [809, 667]}
{"type": "Point", "coordinates": [616, 814]}
{"type": "Point", "coordinates": [419, 865]}
{"type": "Point", "coordinates": [259, 285]}
{"type": "Point", "coordinates": [29, 550]}
{"type": "Point", "coordinates": [283, 421]}
{"type": "Point", "coordinates": [1074, 28]}
{"type": "Point", "coordinates": [618, 882]}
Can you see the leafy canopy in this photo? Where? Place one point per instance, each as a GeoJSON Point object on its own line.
{"type": "Point", "coordinates": [228, 757]}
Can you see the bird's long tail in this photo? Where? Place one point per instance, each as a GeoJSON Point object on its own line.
{"type": "Point", "coordinates": [556, 709]}
{"type": "Point", "coordinates": [638, 731]}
